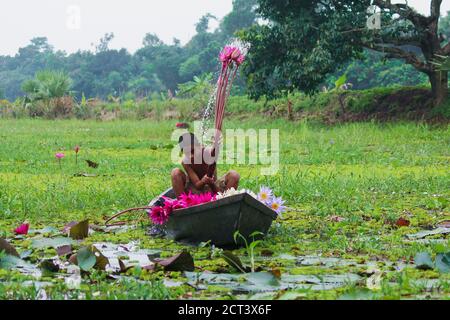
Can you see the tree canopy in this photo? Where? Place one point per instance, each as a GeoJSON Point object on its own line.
{"type": "Point", "coordinates": [303, 41]}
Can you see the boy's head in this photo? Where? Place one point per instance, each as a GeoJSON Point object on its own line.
{"type": "Point", "coordinates": [189, 144]}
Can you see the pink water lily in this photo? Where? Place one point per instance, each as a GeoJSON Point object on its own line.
{"type": "Point", "coordinates": [158, 215]}
{"type": "Point", "coordinates": [231, 54]}
{"type": "Point", "coordinates": [190, 199]}
{"type": "Point", "coordinates": [22, 229]}
{"type": "Point", "coordinates": [59, 156]}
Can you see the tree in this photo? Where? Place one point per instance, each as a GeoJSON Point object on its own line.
{"type": "Point", "coordinates": [47, 85]}
{"type": "Point", "coordinates": [203, 25]}
{"type": "Point", "coordinates": [50, 88]}
{"type": "Point", "coordinates": [243, 16]}
{"type": "Point", "coordinates": [152, 40]}
{"type": "Point", "coordinates": [305, 40]}
{"type": "Point", "coordinates": [104, 42]}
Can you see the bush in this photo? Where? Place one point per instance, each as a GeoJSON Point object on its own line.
{"type": "Point", "coordinates": [412, 103]}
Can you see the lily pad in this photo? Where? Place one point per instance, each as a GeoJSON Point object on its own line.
{"type": "Point", "coordinates": [25, 254]}
{"type": "Point", "coordinates": [85, 259]}
{"type": "Point", "coordinates": [13, 262]}
{"type": "Point", "coordinates": [267, 282]}
{"type": "Point", "coordinates": [323, 261]}
{"type": "Point", "coordinates": [423, 261]}
{"type": "Point", "coordinates": [45, 230]}
{"type": "Point", "coordinates": [135, 256]}
{"type": "Point", "coordinates": [41, 243]}
{"type": "Point", "coordinates": [443, 262]}
{"type": "Point", "coordinates": [358, 294]}
{"type": "Point", "coordinates": [426, 233]}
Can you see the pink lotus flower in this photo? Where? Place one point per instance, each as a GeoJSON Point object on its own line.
{"type": "Point", "coordinates": [240, 60]}
{"type": "Point", "coordinates": [225, 54]}
{"type": "Point", "coordinates": [172, 204]}
{"type": "Point", "coordinates": [190, 199]}
{"type": "Point", "coordinates": [231, 54]}
{"type": "Point", "coordinates": [59, 156]}
{"type": "Point", "coordinates": [158, 215]}
{"type": "Point", "coordinates": [22, 229]}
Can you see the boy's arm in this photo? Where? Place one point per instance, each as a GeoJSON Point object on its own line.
{"type": "Point", "coordinates": [193, 177]}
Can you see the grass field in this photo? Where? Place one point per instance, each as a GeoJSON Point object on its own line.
{"type": "Point", "coordinates": [349, 185]}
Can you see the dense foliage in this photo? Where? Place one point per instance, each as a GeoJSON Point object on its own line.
{"type": "Point", "coordinates": [304, 41]}
{"type": "Point", "coordinates": [156, 67]}
{"type": "Point", "coordinates": [188, 70]}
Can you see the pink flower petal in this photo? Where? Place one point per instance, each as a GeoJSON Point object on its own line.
{"type": "Point", "coordinates": [22, 229]}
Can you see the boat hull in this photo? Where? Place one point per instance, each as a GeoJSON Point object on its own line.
{"type": "Point", "coordinates": [218, 221]}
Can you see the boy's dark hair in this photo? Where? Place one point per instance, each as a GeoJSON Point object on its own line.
{"type": "Point", "coordinates": [187, 140]}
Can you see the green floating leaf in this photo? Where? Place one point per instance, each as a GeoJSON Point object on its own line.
{"type": "Point", "coordinates": [12, 262]}
{"type": "Point", "coordinates": [443, 262]}
{"type": "Point", "coordinates": [86, 259]}
{"type": "Point", "coordinates": [41, 243]}
{"type": "Point", "coordinates": [25, 254]}
{"type": "Point", "coordinates": [358, 294]}
{"type": "Point", "coordinates": [263, 279]}
{"type": "Point", "coordinates": [80, 230]}
{"type": "Point", "coordinates": [423, 261]}
{"type": "Point", "coordinates": [426, 233]}
{"type": "Point", "coordinates": [7, 248]}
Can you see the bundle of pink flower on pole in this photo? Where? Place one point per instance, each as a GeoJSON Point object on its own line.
{"type": "Point", "coordinates": [231, 58]}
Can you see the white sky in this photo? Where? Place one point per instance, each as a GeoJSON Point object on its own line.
{"type": "Point", "coordinates": [130, 20]}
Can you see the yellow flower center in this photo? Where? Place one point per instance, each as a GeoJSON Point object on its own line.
{"type": "Point", "coordinates": [264, 196]}
{"type": "Point", "coordinates": [275, 206]}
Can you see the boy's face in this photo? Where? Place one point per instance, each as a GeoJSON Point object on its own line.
{"type": "Point", "coordinates": [195, 152]}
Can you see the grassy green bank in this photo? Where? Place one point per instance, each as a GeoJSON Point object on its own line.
{"type": "Point", "coordinates": [348, 183]}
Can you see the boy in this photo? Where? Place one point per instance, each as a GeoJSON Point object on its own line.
{"type": "Point", "coordinates": [196, 177]}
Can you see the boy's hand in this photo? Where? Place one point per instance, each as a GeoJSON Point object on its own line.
{"type": "Point", "coordinates": [207, 180]}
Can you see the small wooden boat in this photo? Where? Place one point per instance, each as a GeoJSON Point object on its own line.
{"type": "Point", "coordinates": [218, 221]}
